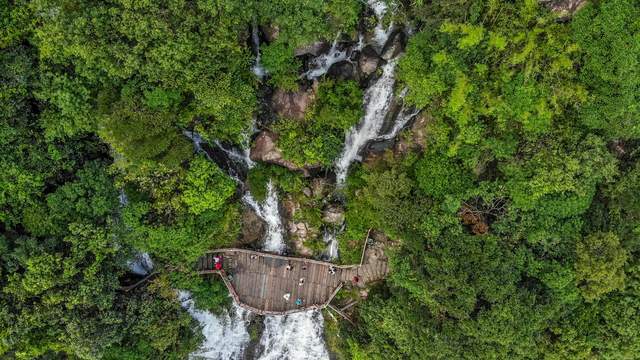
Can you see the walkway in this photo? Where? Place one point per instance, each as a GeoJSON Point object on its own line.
{"type": "Point", "coordinates": [259, 281]}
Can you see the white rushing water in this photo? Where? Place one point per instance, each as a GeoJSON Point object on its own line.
{"type": "Point", "coordinates": [380, 34]}
{"type": "Point", "coordinates": [377, 99]}
{"type": "Point", "coordinates": [298, 336]}
{"type": "Point", "coordinates": [269, 212]}
{"type": "Point", "coordinates": [141, 265]}
{"type": "Point", "coordinates": [234, 154]}
{"type": "Point", "coordinates": [226, 336]}
{"type": "Point", "coordinates": [321, 64]}
{"type": "Point", "coordinates": [257, 67]}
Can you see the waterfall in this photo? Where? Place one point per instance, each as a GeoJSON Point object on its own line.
{"type": "Point", "coordinates": [297, 336]}
{"type": "Point", "coordinates": [233, 153]}
{"type": "Point", "coordinates": [291, 337]}
{"type": "Point", "coordinates": [380, 34]}
{"type": "Point", "coordinates": [330, 238]}
{"type": "Point", "coordinates": [141, 264]}
{"type": "Point", "coordinates": [377, 99]}
{"type": "Point", "coordinates": [269, 212]}
{"type": "Point", "coordinates": [403, 117]}
{"type": "Point", "coordinates": [321, 64]}
{"type": "Point", "coordinates": [197, 142]}
{"type": "Point", "coordinates": [257, 67]}
{"type": "Point", "coordinates": [226, 335]}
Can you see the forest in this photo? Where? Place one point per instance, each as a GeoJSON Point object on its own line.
{"type": "Point", "coordinates": [493, 146]}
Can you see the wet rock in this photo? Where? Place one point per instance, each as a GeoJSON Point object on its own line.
{"type": "Point", "coordinates": [271, 32]}
{"type": "Point", "coordinates": [416, 138]}
{"type": "Point", "coordinates": [564, 8]}
{"type": "Point", "coordinates": [264, 149]}
{"type": "Point", "coordinates": [318, 186]}
{"type": "Point", "coordinates": [333, 215]}
{"type": "Point", "coordinates": [293, 104]}
{"type": "Point", "coordinates": [394, 46]}
{"type": "Point", "coordinates": [313, 49]}
{"type": "Point", "coordinates": [343, 70]}
{"type": "Point", "coordinates": [368, 61]}
{"type": "Point", "coordinates": [253, 227]}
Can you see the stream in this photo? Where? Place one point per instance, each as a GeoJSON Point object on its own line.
{"type": "Point", "coordinates": [299, 335]}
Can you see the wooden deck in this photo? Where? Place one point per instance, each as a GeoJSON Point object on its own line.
{"type": "Point", "coordinates": [258, 281]}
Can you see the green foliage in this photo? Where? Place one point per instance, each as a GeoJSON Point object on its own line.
{"type": "Point", "coordinates": [206, 187]}
{"type": "Point", "coordinates": [600, 265]}
{"type": "Point", "coordinates": [608, 33]}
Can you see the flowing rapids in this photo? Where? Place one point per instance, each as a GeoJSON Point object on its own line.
{"type": "Point", "coordinates": [377, 99]}
{"type": "Point", "coordinates": [292, 337]}
{"type": "Point", "coordinates": [380, 34]}
{"type": "Point", "coordinates": [226, 335]}
{"type": "Point", "coordinates": [269, 212]}
{"type": "Point", "coordinates": [141, 265]}
{"type": "Point", "coordinates": [257, 67]}
{"type": "Point", "coordinates": [297, 336]}
{"type": "Point", "coordinates": [321, 64]}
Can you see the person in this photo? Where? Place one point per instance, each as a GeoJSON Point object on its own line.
{"type": "Point", "coordinates": [287, 296]}
{"type": "Point", "coordinates": [356, 279]}
{"type": "Point", "coordinates": [253, 256]}
{"type": "Point", "coordinates": [218, 266]}
{"type": "Point", "coordinates": [304, 267]}
{"type": "Point", "coordinates": [301, 282]}
{"type": "Point", "coordinates": [332, 270]}
{"type": "Point", "coordinates": [217, 262]}
{"type": "Point", "coordinates": [299, 302]}
{"type": "Point", "coordinates": [289, 267]}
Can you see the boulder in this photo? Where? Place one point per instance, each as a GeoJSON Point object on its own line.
{"type": "Point", "coordinates": [394, 46]}
{"type": "Point", "coordinates": [343, 70]}
{"type": "Point", "coordinates": [293, 104]}
{"type": "Point", "coordinates": [368, 61]}
{"type": "Point", "coordinates": [314, 49]}
{"type": "Point", "coordinates": [333, 215]}
{"type": "Point", "coordinates": [264, 149]}
{"type": "Point", "coordinates": [253, 227]}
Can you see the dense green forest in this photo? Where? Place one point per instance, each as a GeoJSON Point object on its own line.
{"type": "Point", "coordinates": [511, 202]}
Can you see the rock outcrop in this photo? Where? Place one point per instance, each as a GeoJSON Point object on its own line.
{"type": "Point", "coordinates": [313, 49]}
{"type": "Point", "coordinates": [293, 104]}
{"type": "Point", "coordinates": [264, 149]}
{"type": "Point", "coordinates": [253, 227]}
{"type": "Point", "coordinates": [368, 61]}
{"type": "Point", "coordinates": [333, 215]}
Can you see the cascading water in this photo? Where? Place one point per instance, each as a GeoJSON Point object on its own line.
{"type": "Point", "coordinates": [321, 64]}
{"type": "Point", "coordinates": [269, 212]}
{"type": "Point", "coordinates": [294, 337]}
{"type": "Point", "coordinates": [141, 265]}
{"type": "Point", "coordinates": [257, 67]}
{"type": "Point", "coordinates": [242, 157]}
{"type": "Point", "coordinates": [380, 34]}
{"type": "Point", "coordinates": [300, 335]}
{"type": "Point", "coordinates": [226, 335]}
{"type": "Point", "coordinates": [377, 100]}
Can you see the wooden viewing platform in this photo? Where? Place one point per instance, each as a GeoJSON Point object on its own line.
{"type": "Point", "coordinates": [258, 281]}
